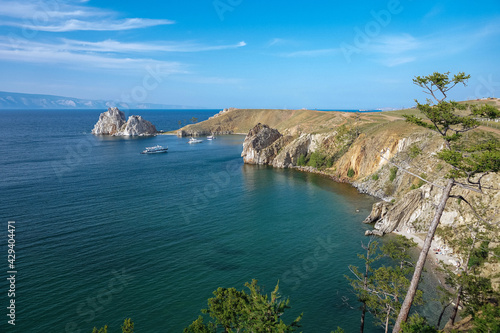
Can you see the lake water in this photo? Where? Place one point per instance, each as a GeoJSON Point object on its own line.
{"type": "Point", "coordinates": [104, 233]}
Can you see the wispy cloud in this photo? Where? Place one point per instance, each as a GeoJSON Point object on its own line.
{"type": "Point", "coordinates": [398, 49]}
{"type": "Point", "coordinates": [311, 53]}
{"type": "Point", "coordinates": [79, 25]}
{"type": "Point", "coordinates": [47, 54]}
{"type": "Point", "coordinates": [281, 42]}
{"type": "Point", "coordinates": [109, 54]}
{"type": "Point", "coordinates": [56, 16]}
{"type": "Point", "coordinates": [395, 44]}
{"type": "Point", "coordinates": [114, 46]}
{"type": "Point", "coordinates": [435, 11]}
{"type": "Point", "coordinates": [43, 11]}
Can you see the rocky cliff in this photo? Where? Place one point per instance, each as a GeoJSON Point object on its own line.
{"type": "Point", "coordinates": [262, 144]}
{"type": "Point", "coordinates": [366, 158]}
{"type": "Point", "coordinates": [112, 122]}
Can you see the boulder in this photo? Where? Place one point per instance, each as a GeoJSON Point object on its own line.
{"type": "Point", "coordinates": [112, 122]}
{"type": "Point", "coordinates": [379, 210]}
{"type": "Point", "coordinates": [259, 146]}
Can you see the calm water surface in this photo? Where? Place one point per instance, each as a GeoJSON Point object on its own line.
{"type": "Point", "coordinates": [104, 233]}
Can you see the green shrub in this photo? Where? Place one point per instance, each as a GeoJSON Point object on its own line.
{"type": "Point", "coordinates": [316, 160]}
{"type": "Point", "coordinates": [329, 162]}
{"type": "Point", "coordinates": [350, 173]}
{"type": "Point", "coordinates": [414, 151]}
{"type": "Point", "coordinates": [417, 324]}
{"type": "Point", "coordinates": [394, 171]}
{"type": "Point", "coordinates": [421, 182]}
{"type": "Point", "coordinates": [301, 161]}
{"type": "Point", "coordinates": [375, 177]}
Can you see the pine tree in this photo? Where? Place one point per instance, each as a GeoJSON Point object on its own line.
{"type": "Point", "coordinates": [100, 330]}
{"type": "Point", "coordinates": [469, 161]}
{"type": "Point", "coordinates": [362, 279]}
{"type": "Point", "coordinates": [239, 311]}
{"type": "Point", "coordinates": [380, 290]}
{"type": "Point", "coordinates": [128, 326]}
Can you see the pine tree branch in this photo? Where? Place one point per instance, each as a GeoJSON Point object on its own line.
{"type": "Point", "coordinates": [470, 205]}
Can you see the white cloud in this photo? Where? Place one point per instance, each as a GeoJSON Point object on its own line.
{"type": "Point", "coordinates": [108, 54]}
{"type": "Point", "coordinates": [113, 46]}
{"type": "Point", "coordinates": [395, 44]}
{"type": "Point", "coordinates": [40, 12]}
{"type": "Point", "coordinates": [55, 16]}
{"type": "Point", "coordinates": [48, 54]}
{"type": "Point", "coordinates": [311, 53]}
{"type": "Point", "coordinates": [79, 25]}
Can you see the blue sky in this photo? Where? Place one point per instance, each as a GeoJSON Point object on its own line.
{"type": "Point", "coordinates": [248, 54]}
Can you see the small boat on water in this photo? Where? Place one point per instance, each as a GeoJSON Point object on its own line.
{"type": "Point", "coordinates": [155, 150]}
{"type": "Point", "coordinates": [211, 137]}
{"type": "Point", "coordinates": [193, 140]}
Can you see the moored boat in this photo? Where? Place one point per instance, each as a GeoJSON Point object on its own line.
{"type": "Point", "coordinates": [193, 140]}
{"type": "Point", "coordinates": [211, 137]}
{"type": "Point", "coordinates": [155, 150]}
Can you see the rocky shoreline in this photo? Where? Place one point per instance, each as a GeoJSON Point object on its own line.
{"type": "Point", "coordinates": [407, 205]}
{"type": "Point", "coordinates": [362, 150]}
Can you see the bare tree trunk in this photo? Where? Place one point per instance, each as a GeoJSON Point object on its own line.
{"type": "Point", "coordinates": [363, 311]}
{"type": "Point", "coordinates": [442, 314]}
{"type": "Point", "coordinates": [412, 290]}
{"type": "Point", "coordinates": [451, 321]}
{"type": "Point", "coordinates": [365, 284]}
{"type": "Point", "coordinates": [454, 313]}
{"type": "Point", "coordinates": [387, 320]}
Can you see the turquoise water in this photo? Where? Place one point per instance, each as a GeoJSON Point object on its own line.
{"type": "Point", "coordinates": [104, 233]}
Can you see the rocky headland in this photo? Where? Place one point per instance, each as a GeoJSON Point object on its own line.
{"type": "Point", "coordinates": [362, 149]}
{"type": "Point", "coordinates": [112, 122]}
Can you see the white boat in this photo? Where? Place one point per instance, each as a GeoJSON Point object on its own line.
{"type": "Point", "coordinates": [211, 137]}
{"type": "Point", "coordinates": [193, 140]}
{"type": "Point", "coordinates": [155, 150]}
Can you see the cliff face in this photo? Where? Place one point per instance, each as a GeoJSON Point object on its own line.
{"type": "Point", "coordinates": [408, 202]}
{"type": "Point", "coordinates": [112, 122]}
{"type": "Point", "coordinates": [262, 144]}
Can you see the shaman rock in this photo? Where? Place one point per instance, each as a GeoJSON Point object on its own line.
{"type": "Point", "coordinates": [112, 122]}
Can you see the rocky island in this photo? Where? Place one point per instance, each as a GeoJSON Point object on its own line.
{"type": "Point", "coordinates": [112, 122]}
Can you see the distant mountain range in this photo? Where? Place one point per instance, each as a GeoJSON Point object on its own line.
{"type": "Point", "coordinates": [10, 100]}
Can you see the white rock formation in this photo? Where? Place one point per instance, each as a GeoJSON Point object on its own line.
{"type": "Point", "coordinates": [136, 125]}
{"type": "Point", "coordinates": [113, 122]}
